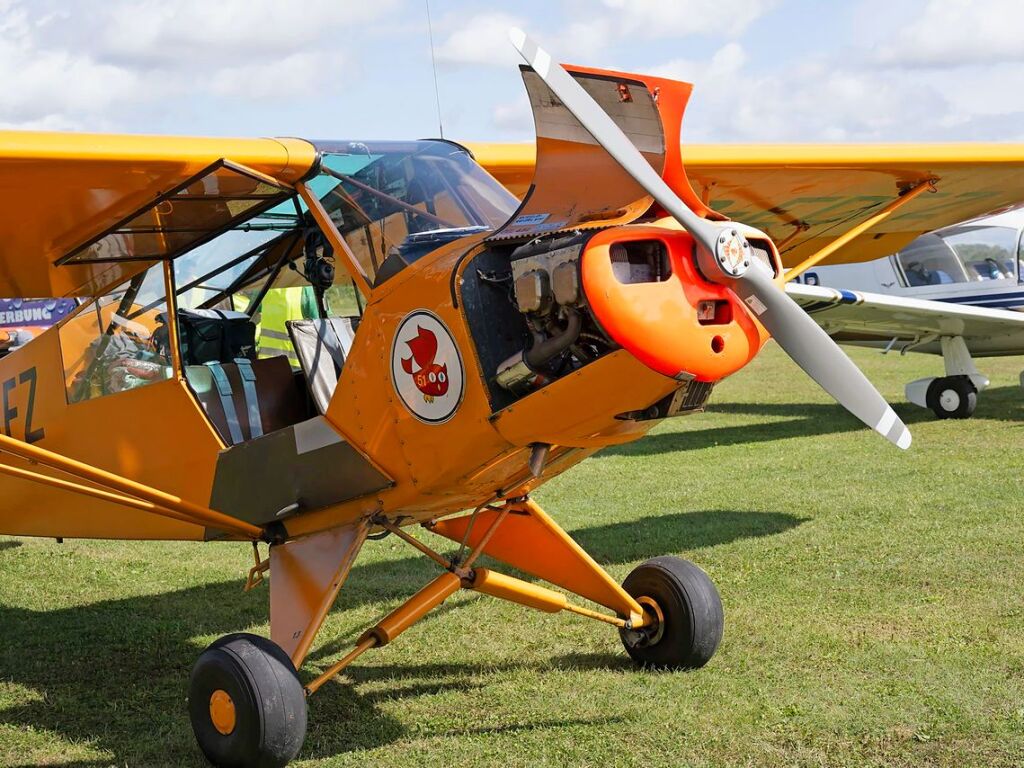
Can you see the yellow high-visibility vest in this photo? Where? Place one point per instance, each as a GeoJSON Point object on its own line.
{"type": "Point", "coordinates": [279, 306]}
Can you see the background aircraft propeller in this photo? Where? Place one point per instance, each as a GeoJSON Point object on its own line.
{"type": "Point", "coordinates": [724, 256]}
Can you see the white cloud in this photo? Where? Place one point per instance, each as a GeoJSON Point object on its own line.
{"type": "Point", "coordinates": [514, 116]}
{"type": "Point", "coordinates": [942, 69]}
{"type": "Point", "coordinates": [45, 123]}
{"type": "Point", "coordinates": [726, 63]}
{"type": "Point", "coordinates": [43, 87]}
{"type": "Point", "coordinates": [838, 98]}
{"type": "Point", "coordinates": [482, 39]}
{"type": "Point", "coordinates": [591, 28]}
{"type": "Point", "coordinates": [678, 18]}
{"type": "Point", "coordinates": [88, 66]}
{"type": "Point", "coordinates": [299, 74]}
{"type": "Point", "coordinates": [222, 32]}
{"type": "Point", "coordinates": [952, 33]}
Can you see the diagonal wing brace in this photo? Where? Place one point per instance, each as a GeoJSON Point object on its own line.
{"type": "Point", "coordinates": [121, 490]}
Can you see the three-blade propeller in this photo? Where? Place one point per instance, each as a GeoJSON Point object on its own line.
{"type": "Point", "coordinates": [724, 257]}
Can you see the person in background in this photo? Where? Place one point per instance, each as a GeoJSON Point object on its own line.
{"type": "Point", "coordinates": [279, 306]}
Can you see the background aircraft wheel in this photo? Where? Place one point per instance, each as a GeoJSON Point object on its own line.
{"type": "Point", "coordinates": [247, 706]}
{"type": "Point", "coordinates": [689, 612]}
{"type": "Point", "coordinates": [952, 397]}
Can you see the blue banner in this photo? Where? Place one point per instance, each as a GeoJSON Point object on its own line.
{"type": "Point", "coordinates": [20, 313]}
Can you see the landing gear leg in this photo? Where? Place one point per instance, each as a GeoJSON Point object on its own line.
{"type": "Point", "coordinates": [246, 704]}
{"type": "Point", "coordinates": [668, 611]}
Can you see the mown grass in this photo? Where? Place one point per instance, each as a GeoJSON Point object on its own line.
{"type": "Point", "coordinates": [873, 611]}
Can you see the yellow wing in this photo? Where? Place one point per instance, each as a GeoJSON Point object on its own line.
{"type": "Point", "coordinates": [60, 191]}
{"type": "Point", "coordinates": [805, 196]}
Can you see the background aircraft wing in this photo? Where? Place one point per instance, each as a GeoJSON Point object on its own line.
{"type": "Point", "coordinates": [804, 196]}
{"type": "Point", "coordinates": [872, 319]}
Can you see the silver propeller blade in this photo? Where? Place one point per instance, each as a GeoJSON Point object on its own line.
{"type": "Point", "coordinates": [724, 256]}
{"type": "Point", "coordinates": [817, 354]}
{"type": "Point", "coordinates": [607, 134]}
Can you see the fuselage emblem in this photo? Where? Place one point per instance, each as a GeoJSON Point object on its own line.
{"type": "Point", "coordinates": [426, 367]}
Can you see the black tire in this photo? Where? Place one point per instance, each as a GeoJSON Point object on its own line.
{"type": "Point", "coordinates": [691, 608]}
{"type": "Point", "coordinates": [269, 723]}
{"type": "Point", "coordinates": [952, 397]}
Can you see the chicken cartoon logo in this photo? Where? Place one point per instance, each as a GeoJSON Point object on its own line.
{"type": "Point", "coordinates": [426, 367]}
{"type": "Point", "coordinates": [430, 378]}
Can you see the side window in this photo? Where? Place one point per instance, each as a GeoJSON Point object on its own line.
{"type": "Point", "coordinates": [118, 341]}
{"type": "Point", "coordinates": [988, 252]}
{"type": "Point", "coordinates": [1020, 257]}
{"type": "Point", "coordinates": [929, 260]}
{"type": "Point", "coordinates": [344, 300]}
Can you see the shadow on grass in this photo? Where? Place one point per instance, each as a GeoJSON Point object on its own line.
{"type": "Point", "coordinates": [628, 542]}
{"type": "Point", "coordinates": [804, 420]}
{"type": "Point", "coordinates": [115, 673]}
{"type": "Point", "coordinates": [595, 662]}
{"type": "Point", "coordinates": [9, 544]}
{"type": "Point", "coordinates": [365, 728]}
{"type": "Point", "coordinates": [613, 544]}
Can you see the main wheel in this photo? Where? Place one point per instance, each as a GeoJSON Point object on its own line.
{"type": "Point", "coordinates": [952, 397]}
{"type": "Point", "coordinates": [688, 610]}
{"type": "Point", "coordinates": [246, 703]}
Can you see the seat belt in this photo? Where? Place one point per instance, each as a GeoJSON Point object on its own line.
{"type": "Point", "coordinates": [220, 379]}
{"type": "Point", "coordinates": [252, 398]}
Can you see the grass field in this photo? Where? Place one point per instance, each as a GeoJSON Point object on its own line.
{"type": "Point", "coordinates": [873, 599]}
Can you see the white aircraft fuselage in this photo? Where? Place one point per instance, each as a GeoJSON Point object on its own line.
{"type": "Point", "coordinates": [954, 286]}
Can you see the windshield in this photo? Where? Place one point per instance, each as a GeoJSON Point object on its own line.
{"type": "Point", "coordinates": [961, 255]}
{"type": "Point", "coordinates": [395, 202]}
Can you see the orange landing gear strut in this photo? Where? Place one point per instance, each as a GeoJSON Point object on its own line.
{"type": "Point", "coordinates": [521, 534]}
{"type": "Point", "coordinates": [248, 707]}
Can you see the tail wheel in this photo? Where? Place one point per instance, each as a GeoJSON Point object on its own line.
{"type": "Point", "coordinates": [246, 704]}
{"type": "Point", "coordinates": [952, 397]}
{"type": "Point", "coordinates": [688, 614]}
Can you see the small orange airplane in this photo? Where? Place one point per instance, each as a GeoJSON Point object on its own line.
{"type": "Point", "coordinates": [497, 343]}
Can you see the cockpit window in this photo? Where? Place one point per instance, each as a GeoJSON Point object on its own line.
{"type": "Point", "coordinates": [960, 255]}
{"type": "Point", "coordinates": [987, 252]}
{"type": "Point", "coordinates": [395, 202]}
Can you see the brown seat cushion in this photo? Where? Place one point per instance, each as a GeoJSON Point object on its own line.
{"type": "Point", "coordinates": [282, 399]}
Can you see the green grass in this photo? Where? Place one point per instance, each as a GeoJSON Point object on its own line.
{"type": "Point", "coordinates": [873, 605]}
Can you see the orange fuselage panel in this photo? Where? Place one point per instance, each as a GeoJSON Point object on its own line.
{"type": "Point", "coordinates": [159, 435]}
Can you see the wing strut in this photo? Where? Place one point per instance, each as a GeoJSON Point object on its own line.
{"type": "Point", "coordinates": [121, 490]}
{"type": "Point", "coordinates": [823, 253]}
{"type": "Point", "coordinates": [337, 242]}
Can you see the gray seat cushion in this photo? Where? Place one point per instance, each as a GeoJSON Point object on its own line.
{"type": "Point", "coordinates": [322, 346]}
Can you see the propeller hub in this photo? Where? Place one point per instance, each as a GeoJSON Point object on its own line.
{"type": "Point", "coordinates": [732, 252]}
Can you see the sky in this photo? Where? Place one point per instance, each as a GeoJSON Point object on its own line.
{"type": "Point", "coordinates": [764, 70]}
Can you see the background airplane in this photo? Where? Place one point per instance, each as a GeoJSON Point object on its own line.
{"type": "Point", "coordinates": [954, 292]}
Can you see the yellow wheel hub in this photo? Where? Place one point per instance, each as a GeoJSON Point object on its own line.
{"type": "Point", "coordinates": [222, 712]}
{"type": "Point", "coordinates": [654, 615]}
